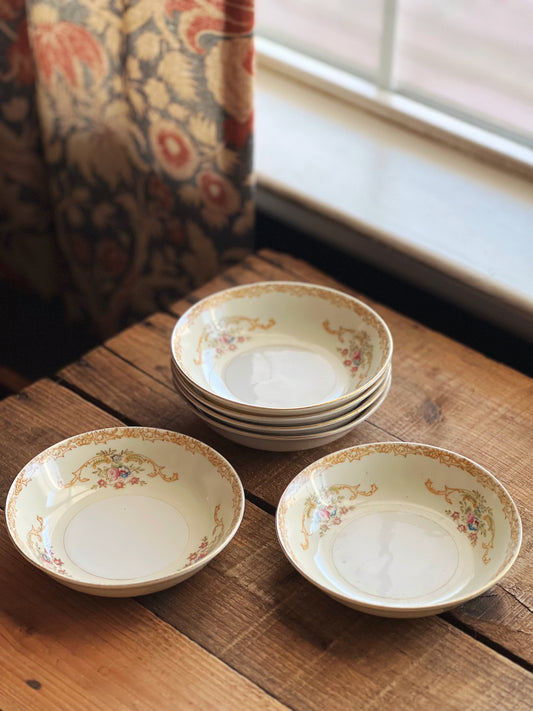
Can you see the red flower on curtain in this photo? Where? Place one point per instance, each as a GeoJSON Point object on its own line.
{"type": "Point", "coordinates": [236, 133]}
{"type": "Point", "coordinates": [62, 47]}
{"type": "Point", "coordinates": [218, 193]}
{"type": "Point", "coordinates": [174, 150]}
{"type": "Point", "coordinates": [231, 18]}
{"type": "Point", "coordinates": [20, 56]}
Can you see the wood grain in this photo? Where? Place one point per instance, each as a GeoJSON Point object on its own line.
{"type": "Point", "coordinates": [313, 653]}
{"type": "Point", "coordinates": [64, 650]}
{"type": "Point", "coordinates": [440, 389]}
{"type": "Point", "coordinates": [249, 607]}
{"type": "Point", "coordinates": [448, 395]}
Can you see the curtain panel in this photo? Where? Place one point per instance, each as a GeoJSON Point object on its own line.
{"type": "Point", "coordinates": [126, 134]}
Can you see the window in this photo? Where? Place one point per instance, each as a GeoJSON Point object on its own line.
{"type": "Point", "coordinates": [439, 191]}
{"type": "Point", "coordinates": [470, 59]}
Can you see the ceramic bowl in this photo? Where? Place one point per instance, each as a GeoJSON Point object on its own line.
{"type": "Point", "coordinates": [124, 511]}
{"type": "Point", "coordinates": [283, 348]}
{"type": "Point", "coordinates": [327, 424]}
{"type": "Point", "coordinates": [399, 529]}
{"type": "Point", "coordinates": [213, 407]}
{"type": "Point", "coordinates": [291, 443]}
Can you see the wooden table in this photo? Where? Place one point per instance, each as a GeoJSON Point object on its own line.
{"type": "Point", "coordinates": [248, 631]}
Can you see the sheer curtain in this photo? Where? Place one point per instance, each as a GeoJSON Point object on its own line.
{"type": "Point", "coordinates": [125, 150]}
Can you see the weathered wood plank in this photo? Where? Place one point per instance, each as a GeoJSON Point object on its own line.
{"type": "Point", "coordinates": [499, 614]}
{"type": "Point", "coordinates": [313, 653]}
{"type": "Point", "coordinates": [427, 368]}
{"type": "Point", "coordinates": [128, 379]}
{"type": "Point", "coordinates": [251, 609]}
{"type": "Point", "coordinates": [63, 650]}
{"type": "Point", "coordinates": [38, 417]}
{"type": "Point", "coordinates": [449, 395]}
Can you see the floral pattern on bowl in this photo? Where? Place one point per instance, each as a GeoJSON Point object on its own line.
{"type": "Point", "coordinates": [328, 508]}
{"type": "Point", "coordinates": [473, 515]}
{"type": "Point", "coordinates": [228, 335]}
{"type": "Point", "coordinates": [124, 511]}
{"type": "Point", "coordinates": [118, 469]}
{"type": "Point", "coordinates": [399, 529]}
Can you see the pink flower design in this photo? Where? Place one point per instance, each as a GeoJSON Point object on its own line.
{"type": "Point", "coordinates": [211, 17]}
{"type": "Point", "coordinates": [65, 47]}
{"type": "Point", "coordinates": [119, 485]}
{"type": "Point", "coordinates": [218, 194]}
{"type": "Point", "coordinates": [113, 473]}
{"type": "Point", "coordinates": [455, 515]}
{"type": "Point", "coordinates": [134, 480]}
{"type": "Point", "coordinates": [461, 527]}
{"type": "Point", "coordinates": [102, 482]}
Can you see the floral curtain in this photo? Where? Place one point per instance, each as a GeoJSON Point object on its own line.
{"type": "Point", "coordinates": [125, 149]}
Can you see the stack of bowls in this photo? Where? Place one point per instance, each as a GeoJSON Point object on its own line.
{"type": "Point", "coordinates": [282, 366]}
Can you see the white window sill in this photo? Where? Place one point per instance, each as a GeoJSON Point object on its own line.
{"type": "Point", "coordinates": [436, 216]}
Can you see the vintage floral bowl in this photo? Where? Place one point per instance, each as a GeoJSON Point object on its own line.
{"type": "Point", "coordinates": [281, 348]}
{"type": "Point", "coordinates": [216, 408]}
{"type": "Point", "coordinates": [124, 511]}
{"type": "Point", "coordinates": [281, 442]}
{"type": "Point", "coordinates": [328, 423]}
{"type": "Point", "coordinates": [399, 529]}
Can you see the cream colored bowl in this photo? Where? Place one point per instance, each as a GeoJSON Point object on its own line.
{"type": "Point", "coordinates": [292, 442]}
{"type": "Point", "coordinates": [399, 529]}
{"type": "Point", "coordinates": [215, 408]}
{"type": "Point", "coordinates": [326, 424]}
{"type": "Point", "coordinates": [124, 511]}
{"type": "Point", "coordinates": [281, 348]}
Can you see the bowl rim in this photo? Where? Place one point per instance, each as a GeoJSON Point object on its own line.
{"type": "Point", "coordinates": [408, 448]}
{"type": "Point", "coordinates": [285, 431]}
{"type": "Point", "coordinates": [223, 295]}
{"type": "Point", "coordinates": [108, 434]}
{"type": "Point", "coordinates": [310, 437]}
{"type": "Point", "coordinates": [189, 393]}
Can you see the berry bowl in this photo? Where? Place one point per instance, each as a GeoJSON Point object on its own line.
{"type": "Point", "coordinates": [399, 529]}
{"type": "Point", "coordinates": [124, 511]}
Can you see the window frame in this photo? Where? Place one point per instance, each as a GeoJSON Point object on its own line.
{"type": "Point", "coordinates": [378, 98]}
{"type": "Point", "coordinates": [302, 118]}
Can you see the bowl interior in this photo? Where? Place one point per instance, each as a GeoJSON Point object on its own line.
{"type": "Point", "coordinates": [123, 506]}
{"type": "Point", "coordinates": [281, 346]}
{"type": "Point", "coordinates": [398, 529]}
